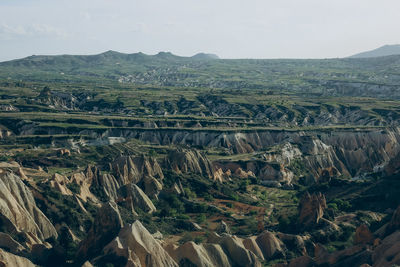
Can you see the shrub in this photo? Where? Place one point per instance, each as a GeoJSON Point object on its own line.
{"type": "Point", "coordinates": [208, 197]}
{"type": "Point", "coordinates": [333, 206]}
{"type": "Point", "coordinates": [201, 218]}
{"type": "Point", "coordinates": [342, 204]}
{"type": "Point", "coordinates": [189, 193]}
{"type": "Point", "coordinates": [199, 239]}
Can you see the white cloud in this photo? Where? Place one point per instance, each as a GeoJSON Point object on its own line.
{"type": "Point", "coordinates": [11, 32]}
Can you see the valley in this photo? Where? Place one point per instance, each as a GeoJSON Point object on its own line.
{"type": "Point", "coordinates": [137, 160]}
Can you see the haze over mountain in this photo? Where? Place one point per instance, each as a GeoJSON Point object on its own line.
{"type": "Point", "coordinates": [386, 50]}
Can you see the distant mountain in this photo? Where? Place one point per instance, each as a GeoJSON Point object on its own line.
{"type": "Point", "coordinates": [386, 50]}
{"type": "Point", "coordinates": [106, 57]}
{"type": "Point", "coordinates": [205, 56]}
{"type": "Point", "coordinates": [325, 76]}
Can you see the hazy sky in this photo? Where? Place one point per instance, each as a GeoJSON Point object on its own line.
{"type": "Point", "coordinates": [229, 28]}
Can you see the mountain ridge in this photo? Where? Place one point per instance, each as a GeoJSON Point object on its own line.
{"type": "Point", "coordinates": [383, 51]}
{"type": "Point", "coordinates": [116, 54]}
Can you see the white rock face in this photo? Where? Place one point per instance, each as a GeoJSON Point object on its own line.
{"type": "Point", "coordinates": [19, 211]}
{"type": "Point", "coordinates": [130, 169]}
{"type": "Point", "coordinates": [84, 184]}
{"type": "Point", "coordinates": [59, 182]}
{"type": "Point", "coordinates": [133, 194]}
{"type": "Point", "coordinates": [139, 247]}
{"type": "Point", "coordinates": [189, 161]}
{"type": "Point", "coordinates": [204, 255]}
{"type": "Point", "coordinates": [11, 260]}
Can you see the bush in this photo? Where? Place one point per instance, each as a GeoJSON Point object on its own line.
{"type": "Point", "coordinates": [183, 217]}
{"type": "Point", "coordinates": [333, 206]}
{"type": "Point", "coordinates": [189, 193]}
{"type": "Point", "coordinates": [152, 153]}
{"type": "Point", "coordinates": [199, 239]}
{"type": "Point", "coordinates": [243, 185]}
{"type": "Point", "coordinates": [201, 218]}
{"type": "Point", "coordinates": [208, 197]}
{"type": "Point", "coordinates": [342, 205]}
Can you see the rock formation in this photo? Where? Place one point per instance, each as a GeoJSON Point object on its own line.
{"type": "Point", "coordinates": [135, 197]}
{"type": "Point", "coordinates": [139, 248]}
{"type": "Point", "coordinates": [59, 182]}
{"type": "Point", "coordinates": [203, 255]}
{"type": "Point", "coordinates": [223, 228]}
{"type": "Point", "coordinates": [387, 254]}
{"type": "Point", "coordinates": [238, 254]}
{"type": "Point", "coordinates": [84, 182]}
{"type": "Point", "coordinates": [105, 227]}
{"type": "Point", "coordinates": [275, 173]}
{"type": "Point", "coordinates": [193, 161]}
{"type": "Point", "coordinates": [151, 186]}
{"type": "Point", "coordinates": [8, 243]}
{"type": "Point", "coordinates": [131, 169]}
{"type": "Point", "coordinates": [8, 259]}
{"type": "Point", "coordinates": [18, 210]}
{"type": "Point", "coordinates": [363, 235]}
{"type": "Point", "coordinates": [270, 245]}
{"type": "Point", "coordinates": [394, 223]}
{"type": "Point", "coordinates": [311, 209]}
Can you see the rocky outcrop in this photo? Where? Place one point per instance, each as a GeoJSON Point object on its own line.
{"type": "Point", "coordinates": [131, 169]}
{"type": "Point", "coordinates": [189, 161]}
{"type": "Point", "coordinates": [275, 173]}
{"type": "Point", "coordinates": [270, 245]}
{"type": "Point", "coordinates": [251, 244]}
{"type": "Point", "coordinates": [350, 151]}
{"type": "Point", "coordinates": [284, 154]}
{"type": "Point", "coordinates": [352, 256]}
{"type": "Point", "coordinates": [104, 184]}
{"type": "Point", "coordinates": [11, 260]}
{"type": "Point", "coordinates": [388, 253]}
{"type": "Point", "coordinates": [203, 255]}
{"type": "Point", "coordinates": [238, 254]}
{"type": "Point", "coordinates": [59, 182]}
{"type": "Point", "coordinates": [296, 243]}
{"type": "Point", "coordinates": [235, 250]}
{"type": "Point", "coordinates": [394, 223]}
{"type": "Point", "coordinates": [363, 235]}
{"type": "Point", "coordinates": [383, 254]}
{"type": "Point", "coordinates": [151, 186]}
{"type": "Point", "coordinates": [18, 210]}
{"type": "Point", "coordinates": [135, 197]}
{"type": "Point", "coordinates": [5, 133]}
{"type": "Point", "coordinates": [311, 209]}
{"type": "Point", "coordinates": [223, 228]}
{"type": "Point", "coordinates": [8, 243]}
{"type": "Point", "coordinates": [139, 248]}
{"type": "Point", "coordinates": [84, 182]}
{"type": "Point", "coordinates": [105, 227]}
{"type": "Point", "coordinates": [239, 172]}
{"type": "Point", "coordinates": [302, 261]}
{"type": "Point", "coordinates": [63, 152]}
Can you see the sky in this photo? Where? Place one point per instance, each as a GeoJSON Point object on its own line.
{"type": "Point", "coordinates": [228, 28]}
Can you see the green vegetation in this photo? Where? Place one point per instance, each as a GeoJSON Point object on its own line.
{"type": "Point", "coordinates": [250, 121]}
